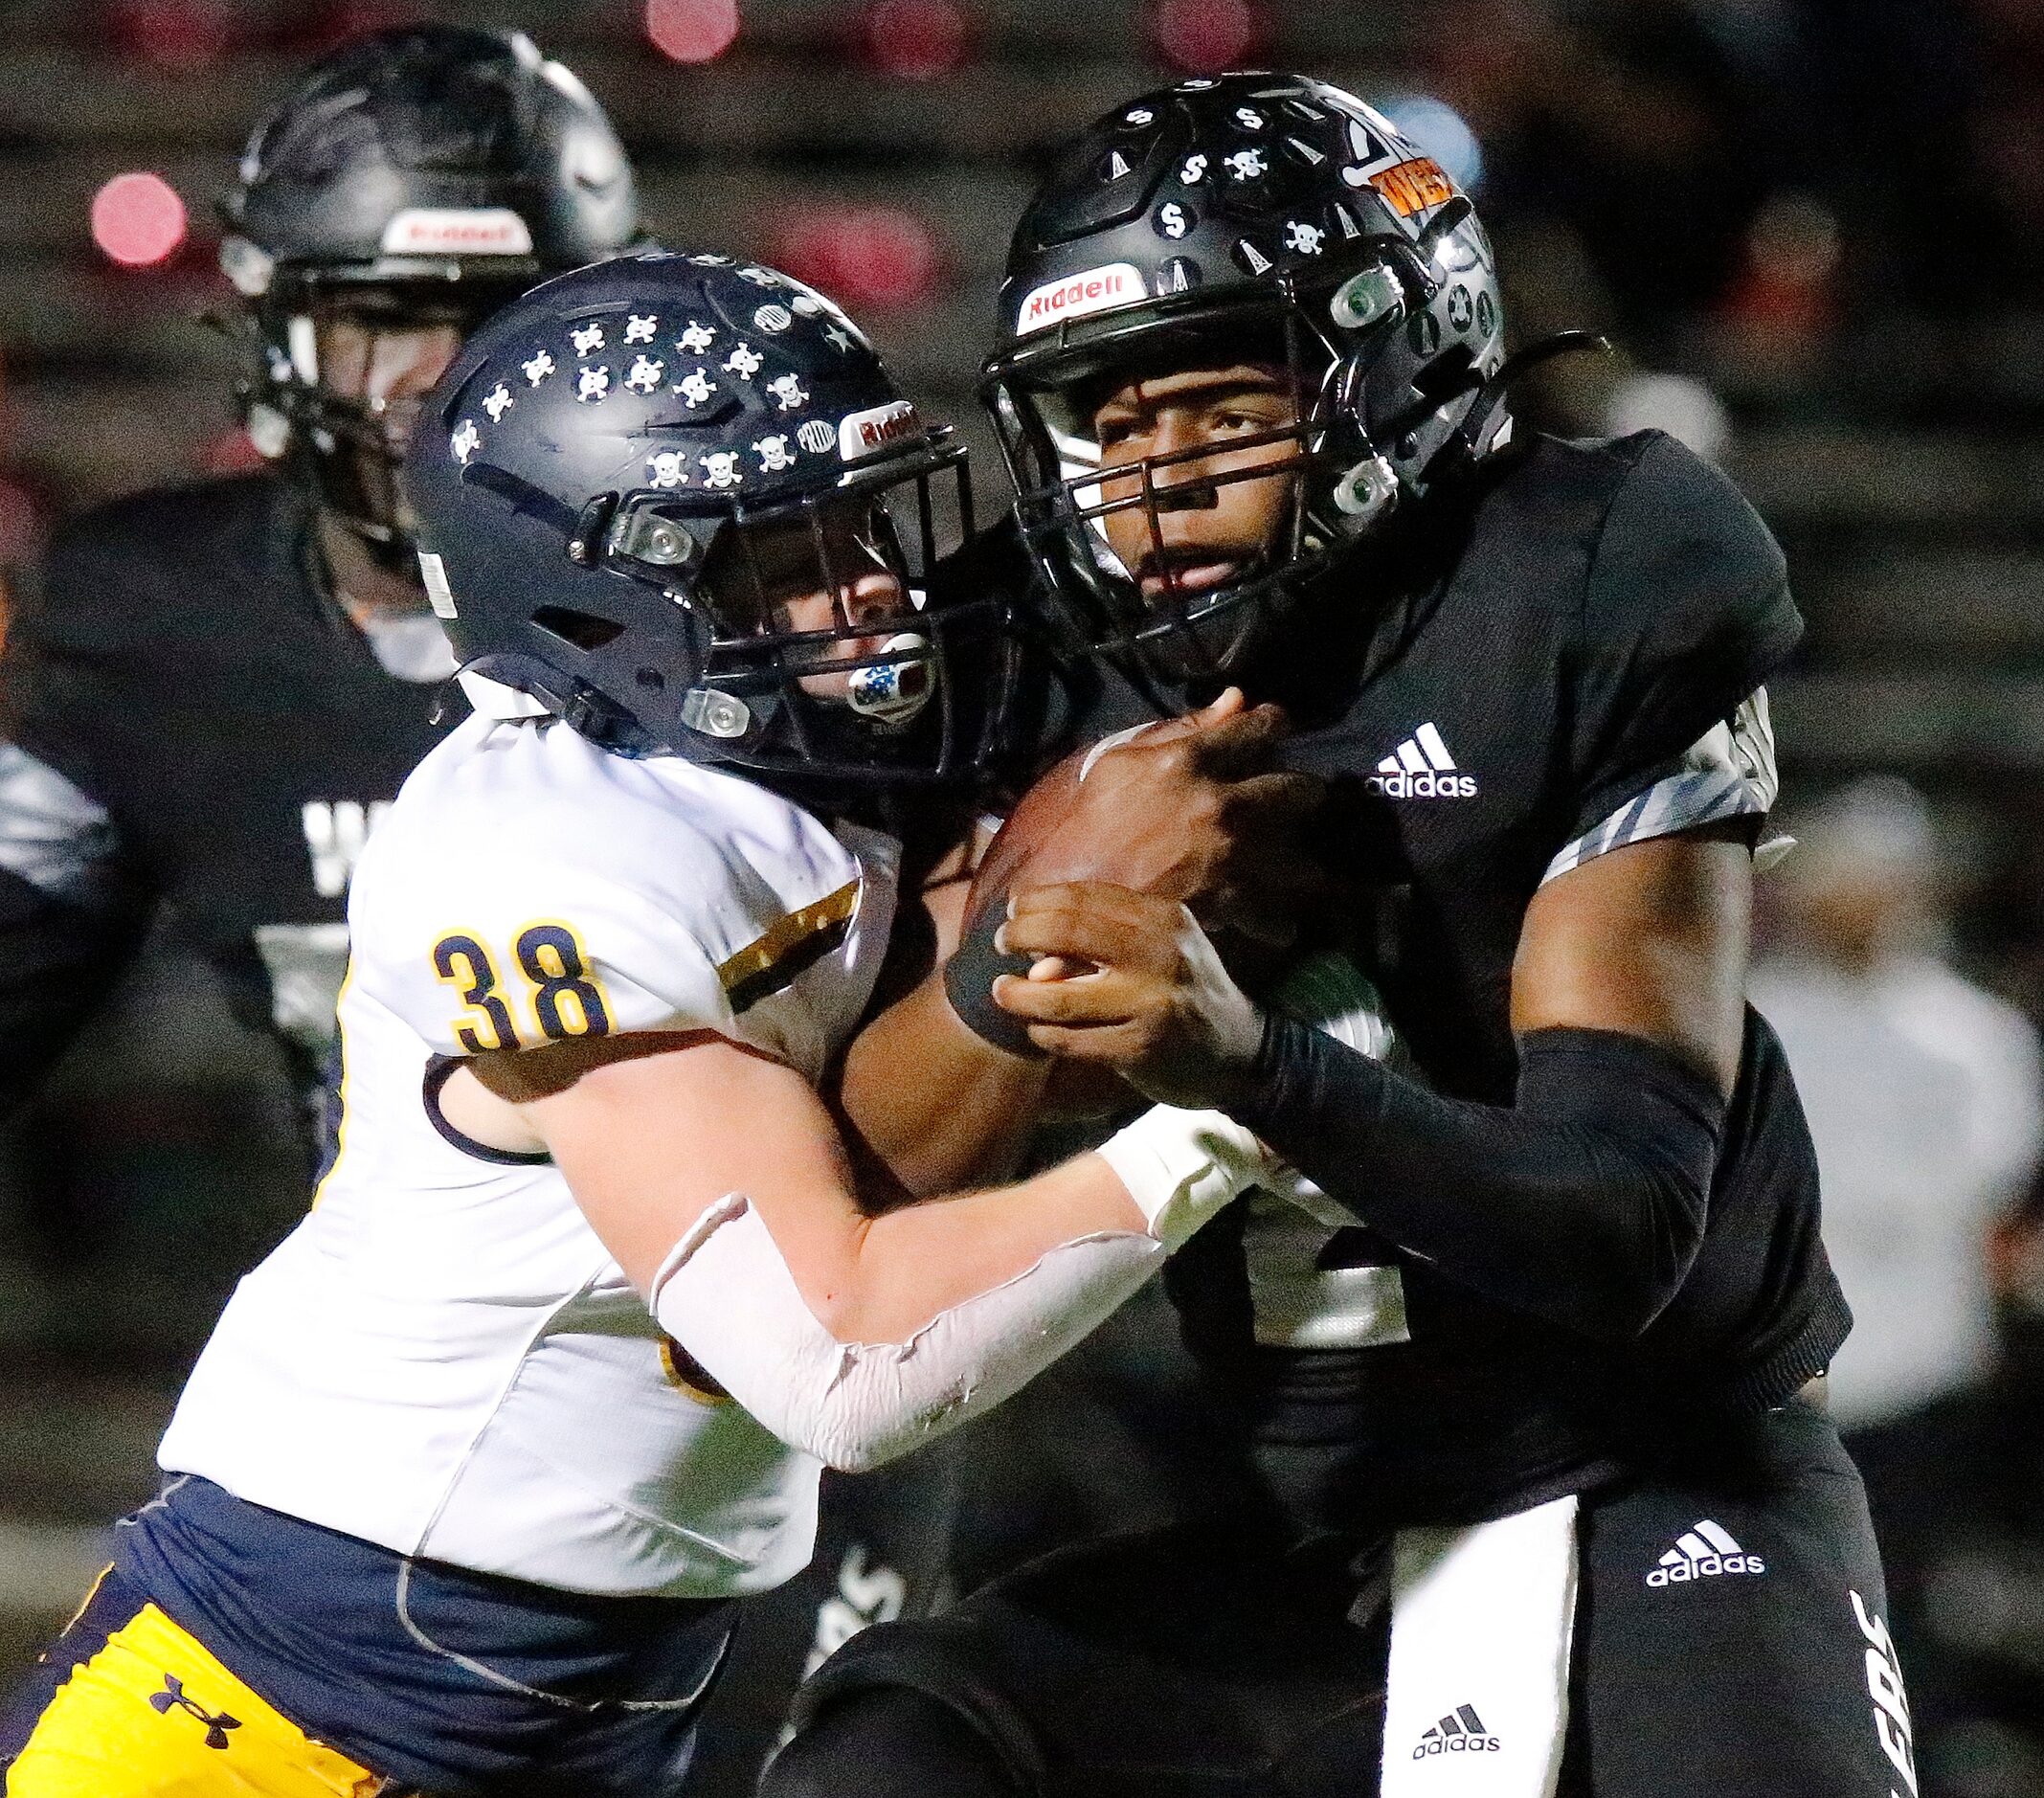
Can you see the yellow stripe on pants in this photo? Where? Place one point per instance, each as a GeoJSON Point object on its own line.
{"type": "Point", "coordinates": [153, 1715]}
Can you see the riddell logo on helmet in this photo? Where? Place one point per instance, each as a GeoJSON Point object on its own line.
{"type": "Point", "coordinates": [861, 434]}
{"type": "Point", "coordinates": [457, 230]}
{"type": "Point", "coordinates": [1093, 290]}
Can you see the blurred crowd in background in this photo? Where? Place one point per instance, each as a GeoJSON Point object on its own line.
{"type": "Point", "coordinates": [1813, 230]}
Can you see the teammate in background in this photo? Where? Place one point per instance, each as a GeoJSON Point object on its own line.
{"type": "Point", "coordinates": [1538, 1361]}
{"type": "Point", "coordinates": [474, 1462]}
{"type": "Point", "coordinates": [224, 683]}
{"type": "Point", "coordinates": [1926, 1095]}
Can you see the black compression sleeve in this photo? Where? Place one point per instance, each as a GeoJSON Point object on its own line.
{"type": "Point", "coordinates": [1584, 1203]}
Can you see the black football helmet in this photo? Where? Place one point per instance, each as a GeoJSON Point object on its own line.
{"type": "Point", "coordinates": [626, 472]}
{"type": "Point", "coordinates": [418, 177]}
{"type": "Point", "coordinates": [1263, 217]}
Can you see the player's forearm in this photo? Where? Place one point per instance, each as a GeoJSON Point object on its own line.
{"type": "Point", "coordinates": [941, 1310]}
{"type": "Point", "coordinates": [943, 1109]}
{"type": "Point", "coordinates": [880, 1279]}
{"type": "Point", "coordinates": [1584, 1203]}
{"type": "Point", "coordinates": [920, 1260]}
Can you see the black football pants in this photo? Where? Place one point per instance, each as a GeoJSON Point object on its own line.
{"type": "Point", "coordinates": [1730, 1639]}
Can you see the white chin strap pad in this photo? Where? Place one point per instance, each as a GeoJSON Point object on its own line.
{"type": "Point", "coordinates": [725, 1294]}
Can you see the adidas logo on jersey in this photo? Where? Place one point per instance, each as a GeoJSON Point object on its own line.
{"type": "Point", "coordinates": [1421, 768]}
{"type": "Point", "coordinates": [1460, 1731]}
{"type": "Point", "coordinates": [1702, 1554]}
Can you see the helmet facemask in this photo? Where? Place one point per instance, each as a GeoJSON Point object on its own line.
{"type": "Point", "coordinates": [678, 502]}
{"type": "Point", "coordinates": [344, 368]}
{"type": "Point", "coordinates": [416, 178]}
{"type": "Point", "coordinates": [819, 611]}
{"type": "Point", "coordinates": [1183, 229]}
{"type": "Point", "coordinates": [1115, 536]}
{"type": "Point", "coordinates": [813, 648]}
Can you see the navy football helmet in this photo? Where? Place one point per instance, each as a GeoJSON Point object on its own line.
{"type": "Point", "coordinates": [423, 176]}
{"type": "Point", "coordinates": [1257, 217]}
{"type": "Point", "coordinates": [678, 502]}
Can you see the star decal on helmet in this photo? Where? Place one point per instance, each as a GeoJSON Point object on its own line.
{"type": "Point", "coordinates": [497, 402]}
{"type": "Point", "coordinates": [537, 368]}
{"type": "Point", "coordinates": [789, 393]}
{"type": "Point", "coordinates": [639, 327]}
{"type": "Point", "coordinates": [838, 339]}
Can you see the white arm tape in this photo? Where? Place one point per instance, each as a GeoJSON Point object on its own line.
{"type": "Point", "coordinates": [725, 1294]}
{"type": "Point", "coordinates": [1181, 1167]}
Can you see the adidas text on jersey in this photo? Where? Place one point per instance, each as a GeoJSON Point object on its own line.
{"type": "Point", "coordinates": [1421, 768]}
{"type": "Point", "coordinates": [1702, 1552]}
{"type": "Point", "coordinates": [1460, 1731]}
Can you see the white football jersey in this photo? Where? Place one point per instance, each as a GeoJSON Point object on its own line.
{"type": "Point", "coordinates": [442, 1358]}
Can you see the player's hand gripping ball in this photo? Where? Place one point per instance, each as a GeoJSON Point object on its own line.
{"type": "Point", "coordinates": [1189, 809]}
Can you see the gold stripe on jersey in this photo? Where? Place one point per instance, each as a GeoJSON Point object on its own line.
{"type": "Point", "coordinates": [685, 1374]}
{"type": "Point", "coordinates": [794, 944]}
{"type": "Point", "coordinates": [154, 1714]}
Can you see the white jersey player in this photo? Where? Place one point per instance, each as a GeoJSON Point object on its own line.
{"type": "Point", "coordinates": [590, 1291]}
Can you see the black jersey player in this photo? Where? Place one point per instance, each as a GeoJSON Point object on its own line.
{"type": "Point", "coordinates": [1529, 1382]}
{"type": "Point", "coordinates": [224, 683]}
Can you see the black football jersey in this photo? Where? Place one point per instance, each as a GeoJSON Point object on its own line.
{"type": "Point", "coordinates": [193, 726]}
{"type": "Point", "coordinates": [1494, 700]}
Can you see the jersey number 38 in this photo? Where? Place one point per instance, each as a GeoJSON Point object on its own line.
{"type": "Point", "coordinates": [563, 995]}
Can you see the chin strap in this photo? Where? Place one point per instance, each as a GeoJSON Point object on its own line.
{"type": "Point", "coordinates": [1460, 449]}
{"type": "Point", "coordinates": [1366, 491]}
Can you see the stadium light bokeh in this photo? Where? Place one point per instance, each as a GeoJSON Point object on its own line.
{"type": "Point", "coordinates": [138, 219]}
{"type": "Point", "coordinates": [1442, 132]}
{"type": "Point", "coordinates": [867, 255]}
{"type": "Point", "coordinates": [916, 40]}
{"type": "Point", "coordinates": [1205, 36]}
{"type": "Point", "coordinates": [170, 33]}
{"type": "Point", "coordinates": [692, 31]}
